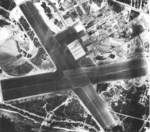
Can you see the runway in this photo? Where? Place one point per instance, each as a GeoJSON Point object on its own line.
{"type": "Point", "coordinates": [69, 75]}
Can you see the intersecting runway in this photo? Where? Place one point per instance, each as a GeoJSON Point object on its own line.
{"type": "Point", "coordinates": [69, 74]}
